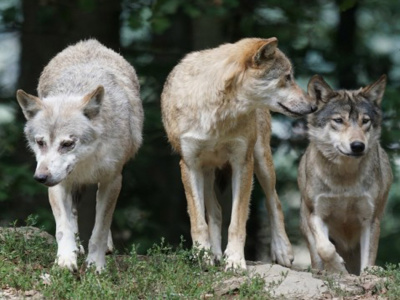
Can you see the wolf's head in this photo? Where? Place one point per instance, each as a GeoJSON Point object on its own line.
{"type": "Point", "coordinates": [61, 131]}
{"type": "Point", "coordinates": [265, 76]}
{"type": "Point", "coordinates": [347, 123]}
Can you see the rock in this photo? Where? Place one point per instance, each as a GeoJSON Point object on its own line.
{"type": "Point", "coordinates": [287, 283]}
{"type": "Point", "coordinates": [27, 232]}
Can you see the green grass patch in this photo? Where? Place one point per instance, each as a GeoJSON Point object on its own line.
{"type": "Point", "coordinates": [390, 287]}
{"type": "Point", "coordinates": [27, 263]}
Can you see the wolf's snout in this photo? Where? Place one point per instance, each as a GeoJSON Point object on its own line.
{"type": "Point", "coordinates": [357, 147]}
{"type": "Point", "coordinates": [42, 178]}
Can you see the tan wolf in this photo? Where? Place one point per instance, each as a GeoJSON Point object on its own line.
{"type": "Point", "coordinates": [344, 177]}
{"type": "Point", "coordinates": [215, 109]}
{"type": "Point", "coordinates": [84, 126]}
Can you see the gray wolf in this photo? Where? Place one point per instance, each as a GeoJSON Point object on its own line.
{"type": "Point", "coordinates": [344, 177]}
{"type": "Point", "coordinates": [85, 124]}
{"type": "Point", "coordinates": [215, 109]}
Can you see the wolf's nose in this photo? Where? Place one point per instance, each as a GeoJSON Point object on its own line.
{"type": "Point", "coordinates": [357, 147]}
{"type": "Point", "coordinates": [40, 178]}
{"type": "Point", "coordinates": [314, 108]}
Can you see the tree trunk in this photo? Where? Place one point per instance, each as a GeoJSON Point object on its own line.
{"type": "Point", "coordinates": [345, 45]}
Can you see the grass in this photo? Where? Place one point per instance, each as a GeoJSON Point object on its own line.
{"type": "Point", "coordinates": [390, 288]}
{"type": "Point", "coordinates": [164, 273]}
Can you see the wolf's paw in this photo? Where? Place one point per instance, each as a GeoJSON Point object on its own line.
{"type": "Point", "coordinates": [203, 254]}
{"type": "Point", "coordinates": [97, 261]}
{"type": "Point", "coordinates": [67, 261]}
{"type": "Point", "coordinates": [281, 251]}
{"type": "Point", "coordinates": [234, 261]}
{"type": "Point", "coordinates": [336, 265]}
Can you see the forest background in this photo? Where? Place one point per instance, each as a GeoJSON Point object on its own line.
{"type": "Point", "coordinates": [350, 43]}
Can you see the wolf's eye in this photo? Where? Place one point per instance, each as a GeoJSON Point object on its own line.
{"type": "Point", "coordinates": [338, 120]}
{"type": "Point", "coordinates": [366, 120]}
{"type": "Point", "coordinates": [67, 144]}
{"type": "Point", "coordinates": [288, 77]}
{"type": "Point", "coordinates": [40, 143]}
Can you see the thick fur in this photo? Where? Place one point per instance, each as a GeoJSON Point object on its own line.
{"type": "Point", "coordinates": [84, 126]}
{"type": "Point", "coordinates": [344, 177]}
{"type": "Point", "coordinates": [215, 109]}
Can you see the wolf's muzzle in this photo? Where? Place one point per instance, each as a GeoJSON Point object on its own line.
{"type": "Point", "coordinates": [357, 147]}
{"type": "Point", "coordinates": [42, 178]}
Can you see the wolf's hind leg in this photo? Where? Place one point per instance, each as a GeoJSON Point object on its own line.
{"type": "Point", "coordinates": [213, 212]}
{"type": "Point", "coordinates": [65, 214]}
{"type": "Point", "coordinates": [107, 195]}
{"type": "Point", "coordinates": [281, 249]}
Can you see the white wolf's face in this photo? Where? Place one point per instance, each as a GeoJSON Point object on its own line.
{"type": "Point", "coordinates": [347, 122]}
{"type": "Point", "coordinates": [60, 132]}
{"type": "Point", "coordinates": [269, 81]}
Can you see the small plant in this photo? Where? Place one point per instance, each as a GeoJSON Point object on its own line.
{"type": "Point", "coordinates": [336, 287]}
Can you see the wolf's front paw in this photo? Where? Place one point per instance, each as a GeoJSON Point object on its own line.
{"type": "Point", "coordinates": [336, 265]}
{"type": "Point", "coordinates": [204, 254]}
{"type": "Point", "coordinates": [67, 261]}
{"type": "Point", "coordinates": [234, 260]}
{"type": "Point", "coordinates": [99, 261]}
{"type": "Point", "coordinates": [281, 251]}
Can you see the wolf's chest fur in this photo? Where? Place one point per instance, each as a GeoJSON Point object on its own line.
{"type": "Point", "coordinates": [226, 140]}
{"type": "Point", "coordinates": [343, 207]}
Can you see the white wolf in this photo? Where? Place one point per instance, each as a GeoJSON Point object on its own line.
{"type": "Point", "coordinates": [84, 126]}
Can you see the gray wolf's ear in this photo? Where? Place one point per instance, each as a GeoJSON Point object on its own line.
{"type": "Point", "coordinates": [318, 89]}
{"type": "Point", "coordinates": [266, 51]}
{"type": "Point", "coordinates": [374, 92]}
{"type": "Point", "coordinates": [30, 104]}
{"type": "Point", "coordinates": [92, 102]}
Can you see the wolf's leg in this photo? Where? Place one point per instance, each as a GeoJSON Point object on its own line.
{"type": "Point", "coordinates": [326, 250]}
{"type": "Point", "coordinates": [281, 249]}
{"type": "Point", "coordinates": [369, 241]}
{"type": "Point", "coordinates": [242, 179]}
{"type": "Point", "coordinates": [365, 242]}
{"type": "Point", "coordinates": [65, 215]}
{"type": "Point", "coordinates": [213, 211]}
{"type": "Point", "coordinates": [193, 182]}
{"type": "Point", "coordinates": [107, 195]}
{"type": "Point", "coordinates": [316, 261]}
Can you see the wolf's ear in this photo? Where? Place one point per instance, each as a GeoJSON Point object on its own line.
{"type": "Point", "coordinates": [318, 89]}
{"type": "Point", "coordinates": [92, 102]}
{"type": "Point", "coordinates": [30, 104]}
{"type": "Point", "coordinates": [266, 51]}
{"type": "Point", "coordinates": [374, 92]}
